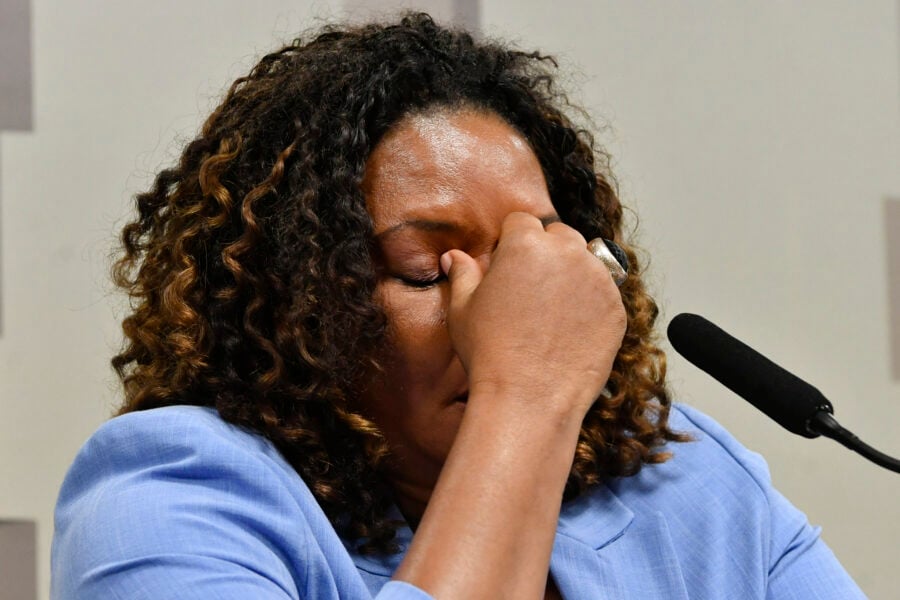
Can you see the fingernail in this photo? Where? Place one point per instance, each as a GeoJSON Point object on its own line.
{"type": "Point", "coordinates": [446, 261]}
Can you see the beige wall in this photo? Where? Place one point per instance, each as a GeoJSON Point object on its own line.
{"type": "Point", "coordinates": [756, 140]}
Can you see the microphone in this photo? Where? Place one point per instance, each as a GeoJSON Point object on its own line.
{"type": "Point", "coordinates": [784, 397]}
{"type": "Point", "coordinates": [788, 400]}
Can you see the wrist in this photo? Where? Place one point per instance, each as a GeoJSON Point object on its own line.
{"type": "Point", "coordinates": [551, 404]}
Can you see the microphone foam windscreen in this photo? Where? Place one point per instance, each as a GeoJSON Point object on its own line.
{"type": "Point", "coordinates": [783, 396]}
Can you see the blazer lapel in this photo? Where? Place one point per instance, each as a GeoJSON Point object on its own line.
{"type": "Point", "coordinates": [603, 550]}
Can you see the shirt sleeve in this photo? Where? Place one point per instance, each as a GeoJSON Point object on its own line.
{"type": "Point", "coordinates": [801, 564]}
{"type": "Point", "coordinates": [179, 504]}
{"type": "Point", "coordinates": [400, 590]}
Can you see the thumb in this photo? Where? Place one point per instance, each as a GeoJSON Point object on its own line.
{"type": "Point", "coordinates": [464, 274]}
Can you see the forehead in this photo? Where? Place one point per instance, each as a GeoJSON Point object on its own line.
{"type": "Point", "coordinates": [456, 164]}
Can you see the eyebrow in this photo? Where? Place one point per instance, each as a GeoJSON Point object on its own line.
{"type": "Point", "coordinates": [445, 226]}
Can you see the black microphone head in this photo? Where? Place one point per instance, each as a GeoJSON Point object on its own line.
{"type": "Point", "coordinates": [783, 396]}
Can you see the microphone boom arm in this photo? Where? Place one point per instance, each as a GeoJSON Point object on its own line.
{"type": "Point", "coordinates": [825, 424]}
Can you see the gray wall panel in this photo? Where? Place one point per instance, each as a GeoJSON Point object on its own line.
{"type": "Point", "coordinates": [15, 65]}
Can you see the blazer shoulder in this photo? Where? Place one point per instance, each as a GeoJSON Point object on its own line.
{"type": "Point", "coordinates": [173, 426]}
{"type": "Point", "coordinates": [179, 490]}
{"type": "Point", "coordinates": [713, 450]}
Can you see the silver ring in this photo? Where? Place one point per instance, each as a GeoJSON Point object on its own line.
{"type": "Point", "coordinates": [601, 249]}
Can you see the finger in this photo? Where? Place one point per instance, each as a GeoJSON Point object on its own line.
{"type": "Point", "coordinates": [464, 274]}
{"type": "Point", "coordinates": [520, 221]}
{"type": "Point", "coordinates": [564, 231]}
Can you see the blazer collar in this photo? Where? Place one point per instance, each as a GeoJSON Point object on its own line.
{"type": "Point", "coordinates": [595, 518]}
{"type": "Point", "coordinates": [378, 564]}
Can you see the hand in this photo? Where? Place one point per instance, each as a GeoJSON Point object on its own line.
{"type": "Point", "coordinates": [543, 324]}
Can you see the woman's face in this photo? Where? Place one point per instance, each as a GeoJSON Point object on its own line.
{"type": "Point", "coordinates": [437, 181]}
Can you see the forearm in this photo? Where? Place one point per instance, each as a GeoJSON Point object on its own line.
{"type": "Point", "coordinates": [489, 527]}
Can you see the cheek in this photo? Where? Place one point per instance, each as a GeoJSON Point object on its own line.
{"type": "Point", "coordinates": [421, 374]}
{"type": "Point", "coordinates": [417, 330]}
{"type": "Point", "coordinates": [407, 306]}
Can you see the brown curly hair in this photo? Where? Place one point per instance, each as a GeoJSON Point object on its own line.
{"type": "Point", "coordinates": [250, 270]}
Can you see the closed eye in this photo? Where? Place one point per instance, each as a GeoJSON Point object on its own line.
{"type": "Point", "coordinates": [421, 283]}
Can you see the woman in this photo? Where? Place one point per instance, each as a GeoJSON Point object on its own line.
{"type": "Point", "coordinates": [363, 307]}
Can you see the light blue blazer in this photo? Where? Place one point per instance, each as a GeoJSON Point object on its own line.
{"type": "Point", "coordinates": [175, 503]}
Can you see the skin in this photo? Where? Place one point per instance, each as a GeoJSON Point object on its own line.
{"type": "Point", "coordinates": [503, 329]}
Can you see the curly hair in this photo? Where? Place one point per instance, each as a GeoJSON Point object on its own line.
{"type": "Point", "coordinates": [249, 264]}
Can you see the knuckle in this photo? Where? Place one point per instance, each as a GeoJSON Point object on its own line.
{"type": "Point", "coordinates": [518, 219]}
{"type": "Point", "coordinates": [567, 232]}
{"type": "Point", "coordinates": [524, 240]}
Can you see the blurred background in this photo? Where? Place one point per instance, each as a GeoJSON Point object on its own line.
{"type": "Point", "coordinates": [758, 144]}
